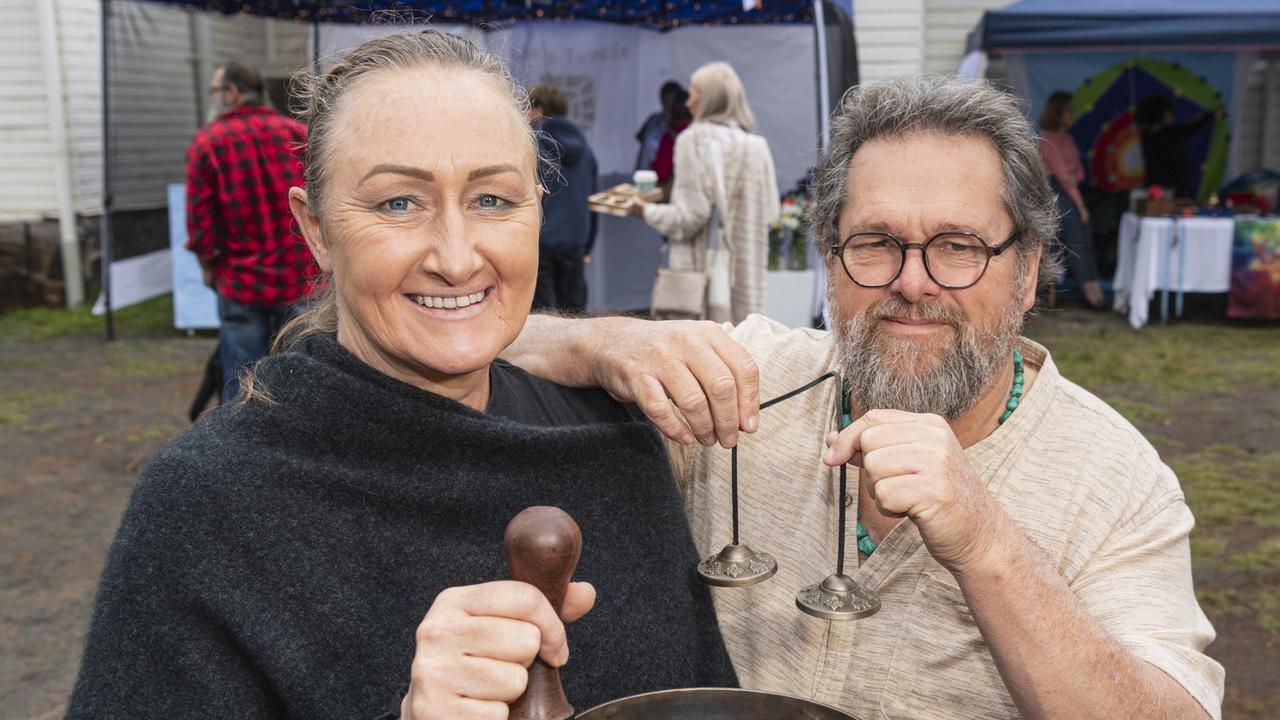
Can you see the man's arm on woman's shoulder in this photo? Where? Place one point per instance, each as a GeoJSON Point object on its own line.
{"type": "Point", "coordinates": [689, 377]}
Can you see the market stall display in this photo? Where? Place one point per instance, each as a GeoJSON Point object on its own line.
{"type": "Point", "coordinates": [1240, 256]}
{"type": "Point", "coordinates": [1255, 270]}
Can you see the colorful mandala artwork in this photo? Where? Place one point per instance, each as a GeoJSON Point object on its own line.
{"type": "Point", "coordinates": [1105, 128]}
{"type": "Point", "coordinates": [1115, 159]}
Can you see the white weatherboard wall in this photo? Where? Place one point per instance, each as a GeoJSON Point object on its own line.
{"type": "Point", "coordinates": [947, 27]}
{"type": "Point", "coordinates": [27, 181]}
{"type": "Point", "coordinates": [890, 38]}
{"type": "Point", "coordinates": [79, 24]}
{"type": "Point", "coordinates": [1256, 143]}
{"type": "Point", "coordinates": [159, 77]}
{"type": "Point", "coordinates": [900, 38]}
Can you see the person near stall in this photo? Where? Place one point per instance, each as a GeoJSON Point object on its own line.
{"type": "Point", "coordinates": [569, 175]}
{"type": "Point", "coordinates": [1164, 143]}
{"type": "Point", "coordinates": [678, 118]}
{"type": "Point", "coordinates": [1061, 159]}
{"type": "Point", "coordinates": [650, 133]}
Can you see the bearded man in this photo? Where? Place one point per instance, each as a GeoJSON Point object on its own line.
{"type": "Point", "coordinates": [1028, 545]}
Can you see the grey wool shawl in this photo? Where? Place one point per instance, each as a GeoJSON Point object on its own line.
{"type": "Point", "coordinates": [275, 561]}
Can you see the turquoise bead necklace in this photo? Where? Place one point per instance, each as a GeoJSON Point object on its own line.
{"type": "Point", "coordinates": [1015, 393]}
{"type": "Point", "coordinates": [865, 544]}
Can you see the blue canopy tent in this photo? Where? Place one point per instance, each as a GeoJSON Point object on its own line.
{"type": "Point", "coordinates": [1055, 24]}
{"type": "Point", "coordinates": [834, 56]}
{"type": "Point", "coordinates": [1111, 53]}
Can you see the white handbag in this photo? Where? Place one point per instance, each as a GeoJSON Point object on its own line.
{"type": "Point", "coordinates": [718, 281]}
{"type": "Point", "coordinates": [719, 247]}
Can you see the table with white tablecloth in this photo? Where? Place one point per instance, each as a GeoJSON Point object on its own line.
{"type": "Point", "coordinates": [1191, 254]}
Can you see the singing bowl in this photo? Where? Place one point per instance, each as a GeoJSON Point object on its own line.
{"type": "Point", "coordinates": [713, 704]}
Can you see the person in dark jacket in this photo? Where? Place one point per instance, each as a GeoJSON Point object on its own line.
{"type": "Point", "coordinates": [1164, 143]}
{"type": "Point", "coordinates": [569, 175]}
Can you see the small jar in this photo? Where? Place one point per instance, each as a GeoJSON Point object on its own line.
{"type": "Point", "coordinates": [646, 181]}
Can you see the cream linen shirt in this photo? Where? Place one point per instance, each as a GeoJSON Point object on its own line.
{"type": "Point", "coordinates": [1080, 481]}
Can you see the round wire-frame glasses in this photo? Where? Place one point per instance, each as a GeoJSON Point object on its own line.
{"type": "Point", "coordinates": [961, 257]}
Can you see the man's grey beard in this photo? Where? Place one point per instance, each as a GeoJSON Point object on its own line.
{"type": "Point", "coordinates": [920, 376]}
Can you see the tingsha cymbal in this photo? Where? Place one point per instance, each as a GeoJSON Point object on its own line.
{"type": "Point", "coordinates": [713, 704]}
{"type": "Point", "coordinates": [737, 566]}
{"type": "Point", "coordinates": [838, 597]}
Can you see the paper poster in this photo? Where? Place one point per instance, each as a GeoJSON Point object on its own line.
{"type": "Point", "coordinates": [195, 306]}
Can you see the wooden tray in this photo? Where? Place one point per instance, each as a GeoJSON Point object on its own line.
{"type": "Point", "coordinates": [618, 199]}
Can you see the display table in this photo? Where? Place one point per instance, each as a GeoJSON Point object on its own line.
{"type": "Point", "coordinates": [623, 265]}
{"type": "Point", "coordinates": [1170, 255]}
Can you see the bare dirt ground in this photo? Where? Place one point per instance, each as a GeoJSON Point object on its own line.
{"type": "Point", "coordinates": [79, 418]}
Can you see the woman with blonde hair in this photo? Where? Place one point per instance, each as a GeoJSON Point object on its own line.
{"type": "Point", "coordinates": [724, 184]}
{"type": "Point", "coordinates": [330, 546]}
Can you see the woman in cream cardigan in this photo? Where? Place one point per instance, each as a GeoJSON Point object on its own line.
{"type": "Point", "coordinates": [721, 136]}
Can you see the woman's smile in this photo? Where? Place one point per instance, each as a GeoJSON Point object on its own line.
{"type": "Point", "coordinates": [451, 304]}
{"type": "Point", "coordinates": [447, 224]}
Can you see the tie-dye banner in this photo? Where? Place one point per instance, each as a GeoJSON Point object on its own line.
{"type": "Point", "coordinates": [1255, 270]}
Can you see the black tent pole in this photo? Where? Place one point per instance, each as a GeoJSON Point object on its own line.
{"type": "Point", "coordinates": [821, 69]}
{"type": "Point", "coordinates": [104, 222]}
{"type": "Point", "coordinates": [315, 46]}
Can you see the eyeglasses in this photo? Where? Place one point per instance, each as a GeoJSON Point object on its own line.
{"type": "Point", "coordinates": [954, 260]}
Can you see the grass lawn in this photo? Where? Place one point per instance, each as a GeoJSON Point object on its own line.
{"type": "Point", "coordinates": [1207, 395]}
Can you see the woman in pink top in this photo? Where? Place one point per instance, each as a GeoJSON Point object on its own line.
{"type": "Point", "coordinates": [1062, 162]}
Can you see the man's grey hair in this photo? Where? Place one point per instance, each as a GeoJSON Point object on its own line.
{"type": "Point", "coordinates": [947, 106]}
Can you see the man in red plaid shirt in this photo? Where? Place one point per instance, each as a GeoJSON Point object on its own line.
{"type": "Point", "coordinates": [239, 171]}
